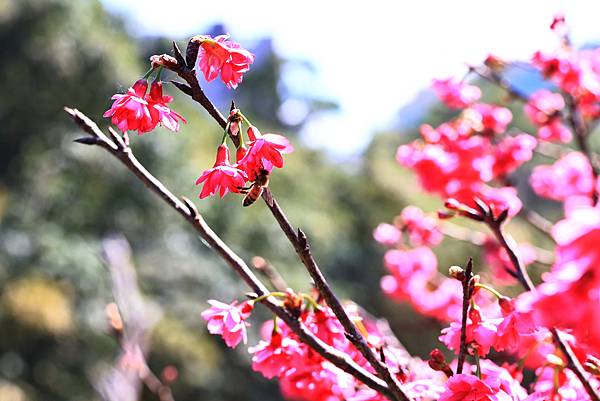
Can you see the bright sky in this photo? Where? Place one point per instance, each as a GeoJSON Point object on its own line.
{"type": "Point", "coordinates": [373, 57]}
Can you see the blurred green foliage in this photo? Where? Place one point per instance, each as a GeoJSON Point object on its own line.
{"type": "Point", "coordinates": [59, 199]}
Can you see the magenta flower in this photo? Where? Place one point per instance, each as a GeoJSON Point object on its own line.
{"type": "Point", "coordinates": [274, 357]}
{"type": "Point", "coordinates": [481, 332]}
{"type": "Point", "coordinates": [222, 177]}
{"type": "Point", "coordinates": [456, 95]}
{"type": "Point", "coordinates": [223, 56]}
{"type": "Point", "coordinates": [130, 111]}
{"type": "Point", "coordinates": [571, 175]}
{"type": "Point", "coordinates": [264, 152]}
{"type": "Point", "coordinates": [160, 112]}
{"type": "Point", "coordinates": [229, 321]}
{"type": "Point", "coordinates": [555, 131]}
{"type": "Point", "coordinates": [387, 234]}
{"type": "Point", "coordinates": [544, 106]}
{"type": "Point", "coordinates": [465, 387]}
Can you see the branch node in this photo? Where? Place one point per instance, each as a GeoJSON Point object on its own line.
{"type": "Point", "coordinates": [178, 55]}
{"type": "Point", "coordinates": [183, 87]}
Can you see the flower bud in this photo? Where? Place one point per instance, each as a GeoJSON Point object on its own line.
{"type": "Point", "coordinates": [592, 365]}
{"type": "Point", "coordinates": [457, 272]}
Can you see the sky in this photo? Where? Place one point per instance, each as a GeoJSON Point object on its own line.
{"type": "Point", "coordinates": [372, 57]}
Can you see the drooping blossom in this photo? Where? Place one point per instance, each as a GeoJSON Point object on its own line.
{"type": "Point", "coordinates": [512, 328]}
{"type": "Point", "coordinates": [456, 95]}
{"type": "Point", "coordinates": [130, 111]}
{"type": "Point", "coordinates": [466, 387]}
{"type": "Point", "coordinates": [160, 112]}
{"type": "Point", "coordinates": [220, 55]}
{"type": "Point", "coordinates": [481, 333]}
{"type": "Point", "coordinates": [229, 321]}
{"type": "Point", "coordinates": [569, 176]}
{"type": "Point", "coordinates": [271, 358]}
{"type": "Point", "coordinates": [264, 152]}
{"type": "Point", "coordinates": [222, 177]}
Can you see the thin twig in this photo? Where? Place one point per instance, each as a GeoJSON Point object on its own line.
{"type": "Point", "coordinates": [509, 244]}
{"type": "Point", "coordinates": [467, 292]}
{"type": "Point", "coordinates": [477, 238]}
{"type": "Point", "coordinates": [270, 272]}
{"type": "Point", "coordinates": [298, 240]}
{"type": "Point", "coordinates": [187, 210]}
{"type": "Point", "coordinates": [581, 133]}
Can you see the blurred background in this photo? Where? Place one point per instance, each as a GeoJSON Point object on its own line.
{"type": "Point", "coordinates": [348, 86]}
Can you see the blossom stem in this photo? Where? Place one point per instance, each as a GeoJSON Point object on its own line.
{"type": "Point", "coordinates": [477, 365]}
{"type": "Point", "coordinates": [148, 73]}
{"type": "Point", "coordinates": [158, 73]}
{"type": "Point", "coordinates": [311, 301]}
{"type": "Point", "coordinates": [271, 294]}
{"type": "Point", "coordinates": [489, 289]}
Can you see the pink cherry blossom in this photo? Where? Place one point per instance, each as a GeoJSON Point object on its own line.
{"type": "Point", "coordinates": [555, 131]}
{"type": "Point", "coordinates": [481, 332]}
{"type": "Point", "coordinates": [465, 387]}
{"type": "Point", "coordinates": [387, 234]}
{"type": "Point", "coordinates": [512, 152]}
{"type": "Point", "coordinates": [228, 320]}
{"type": "Point", "coordinates": [456, 95]}
{"type": "Point", "coordinates": [272, 358]}
{"type": "Point", "coordinates": [223, 56]}
{"type": "Point", "coordinates": [222, 177]}
{"type": "Point", "coordinates": [264, 152]}
{"type": "Point", "coordinates": [487, 118]}
{"type": "Point", "coordinates": [571, 175]}
{"type": "Point", "coordinates": [157, 104]}
{"type": "Point", "coordinates": [421, 229]}
{"type": "Point", "coordinates": [544, 106]}
{"type": "Point", "coordinates": [130, 111]}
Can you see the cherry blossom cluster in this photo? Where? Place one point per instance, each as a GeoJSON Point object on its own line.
{"type": "Point", "coordinates": [263, 153]}
{"type": "Point", "coordinates": [305, 375]}
{"type": "Point", "coordinates": [139, 111]}
{"type": "Point", "coordinates": [468, 162]}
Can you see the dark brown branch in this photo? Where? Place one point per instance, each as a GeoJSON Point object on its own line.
{"type": "Point", "coordinates": [298, 240]}
{"type": "Point", "coordinates": [300, 243]}
{"type": "Point", "coordinates": [467, 292]}
{"type": "Point", "coordinates": [187, 210]}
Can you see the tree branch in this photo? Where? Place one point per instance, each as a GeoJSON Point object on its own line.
{"type": "Point", "coordinates": [298, 240]}
{"type": "Point", "coordinates": [119, 149]}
